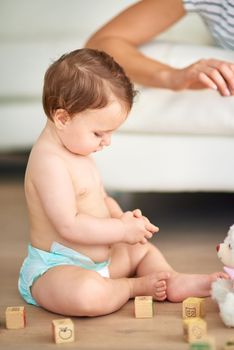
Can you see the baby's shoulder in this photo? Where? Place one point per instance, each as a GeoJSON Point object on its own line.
{"type": "Point", "coordinates": [44, 157]}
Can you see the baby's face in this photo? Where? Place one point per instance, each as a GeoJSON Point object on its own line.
{"type": "Point", "coordinates": [91, 130]}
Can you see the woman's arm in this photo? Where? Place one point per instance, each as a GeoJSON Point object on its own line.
{"type": "Point", "coordinates": [137, 25]}
{"type": "Point", "coordinates": [133, 27]}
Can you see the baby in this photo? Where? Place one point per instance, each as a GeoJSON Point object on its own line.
{"type": "Point", "coordinates": [86, 257]}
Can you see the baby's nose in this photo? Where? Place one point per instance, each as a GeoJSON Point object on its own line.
{"type": "Point", "coordinates": [107, 140]}
{"type": "Point", "coordinates": [217, 247]}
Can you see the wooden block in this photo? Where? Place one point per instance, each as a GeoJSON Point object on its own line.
{"type": "Point", "coordinates": [208, 343]}
{"type": "Point", "coordinates": [15, 317]}
{"type": "Point", "coordinates": [63, 331]}
{"type": "Point", "coordinates": [143, 307]}
{"type": "Point", "coordinates": [194, 329]}
{"type": "Point", "coordinates": [193, 307]}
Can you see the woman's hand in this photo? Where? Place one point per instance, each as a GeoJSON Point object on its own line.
{"type": "Point", "coordinates": [206, 73]}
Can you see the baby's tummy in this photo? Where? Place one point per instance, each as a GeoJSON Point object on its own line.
{"type": "Point", "coordinates": [97, 253]}
{"type": "Point", "coordinates": [43, 235]}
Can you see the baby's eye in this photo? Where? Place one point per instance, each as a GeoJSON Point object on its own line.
{"type": "Point", "coordinates": [97, 134]}
{"type": "Point", "coordinates": [229, 246]}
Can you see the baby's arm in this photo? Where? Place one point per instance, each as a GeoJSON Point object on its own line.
{"type": "Point", "coordinates": [113, 207]}
{"type": "Point", "coordinates": [55, 188]}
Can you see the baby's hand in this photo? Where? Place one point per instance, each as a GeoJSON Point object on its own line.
{"type": "Point", "coordinates": [137, 227]}
{"type": "Point", "coordinates": [137, 213]}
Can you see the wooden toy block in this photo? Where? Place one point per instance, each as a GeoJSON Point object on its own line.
{"type": "Point", "coordinates": [63, 331]}
{"type": "Point", "coordinates": [15, 317]}
{"type": "Point", "coordinates": [143, 307]}
{"type": "Point", "coordinates": [207, 343]}
{"type": "Point", "coordinates": [194, 329]}
{"type": "Point", "coordinates": [193, 307]}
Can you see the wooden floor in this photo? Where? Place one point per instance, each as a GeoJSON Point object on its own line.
{"type": "Point", "coordinates": [191, 226]}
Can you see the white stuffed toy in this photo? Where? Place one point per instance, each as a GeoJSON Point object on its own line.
{"type": "Point", "coordinates": [223, 289]}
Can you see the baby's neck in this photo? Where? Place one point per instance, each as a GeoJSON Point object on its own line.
{"type": "Point", "coordinates": [50, 133]}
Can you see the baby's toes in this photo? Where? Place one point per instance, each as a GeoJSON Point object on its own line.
{"type": "Point", "coordinates": [160, 295]}
{"type": "Point", "coordinates": [160, 285]}
{"type": "Point", "coordinates": [220, 275]}
{"type": "Point", "coordinates": [160, 289]}
{"type": "Point", "coordinates": [223, 275]}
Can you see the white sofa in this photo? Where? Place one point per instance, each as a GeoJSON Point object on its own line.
{"type": "Point", "coordinates": [172, 141]}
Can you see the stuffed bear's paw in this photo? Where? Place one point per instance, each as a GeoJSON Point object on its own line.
{"type": "Point", "coordinates": [227, 310]}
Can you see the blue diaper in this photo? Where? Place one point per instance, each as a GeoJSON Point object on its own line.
{"type": "Point", "coordinates": [39, 261]}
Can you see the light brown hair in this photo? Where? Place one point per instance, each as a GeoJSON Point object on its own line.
{"type": "Point", "coordinates": [83, 79]}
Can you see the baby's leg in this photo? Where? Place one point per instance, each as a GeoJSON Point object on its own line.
{"type": "Point", "coordinates": [70, 290]}
{"type": "Point", "coordinates": [141, 260]}
{"type": "Point", "coordinates": [181, 286]}
{"type": "Point", "coordinates": [146, 259]}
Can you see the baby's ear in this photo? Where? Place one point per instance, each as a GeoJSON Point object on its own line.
{"type": "Point", "coordinates": [61, 118]}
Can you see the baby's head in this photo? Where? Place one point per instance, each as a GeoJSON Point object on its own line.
{"type": "Point", "coordinates": [85, 79]}
{"type": "Point", "coordinates": [86, 97]}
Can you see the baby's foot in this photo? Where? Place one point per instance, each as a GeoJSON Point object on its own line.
{"type": "Point", "coordinates": [181, 286]}
{"type": "Point", "coordinates": [160, 290]}
{"type": "Point", "coordinates": [214, 276]}
{"type": "Point", "coordinates": [153, 284]}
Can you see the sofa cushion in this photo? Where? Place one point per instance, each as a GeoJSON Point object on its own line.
{"type": "Point", "coordinates": [23, 64]}
{"type": "Point", "coordinates": [167, 163]}
{"type": "Point", "coordinates": [195, 112]}
{"type": "Point", "coordinates": [204, 112]}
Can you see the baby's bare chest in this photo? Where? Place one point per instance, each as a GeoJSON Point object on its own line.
{"type": "Point", "coordinates": [87, 182]}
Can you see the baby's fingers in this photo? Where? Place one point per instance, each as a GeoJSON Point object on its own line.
{"type": "Point", "coordinates": [137, 213]}
{"type": "Point", "coordinates": [148, 235]}
{"type": "Point", "coordinates": [151, 228]}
